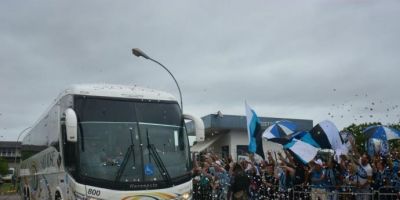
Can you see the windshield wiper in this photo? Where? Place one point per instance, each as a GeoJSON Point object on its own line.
{"type": "Point", "coordinates": [156, 157]}
{"type": "Point", "coordinates": [129, 151]}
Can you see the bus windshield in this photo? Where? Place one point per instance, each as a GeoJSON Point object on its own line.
{"type": "Point", "coordinates": [127, 141]}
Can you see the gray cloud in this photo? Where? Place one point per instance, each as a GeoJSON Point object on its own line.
{"type": "Point", "coordinates": [285, 59]}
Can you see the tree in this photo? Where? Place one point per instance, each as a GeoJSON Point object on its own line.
{"type": "Point", "coordinates": [3, 166]}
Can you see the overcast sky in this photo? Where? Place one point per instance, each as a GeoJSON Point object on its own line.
{"type": "Point", "coordinates": [295, 59]}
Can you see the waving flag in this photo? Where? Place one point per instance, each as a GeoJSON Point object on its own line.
{"type": "Point", "coordinates": [326, 135]}
{"type": "Point", "coordinates": [382, 132]}
{"type": "Point", "coordinates": [304, 151]}
{"type": "Point", "coordinates": [254, 132]}
{"type": "Point", "coordinates": [377, 147]}
{"type": "Point", "coordinates": [279, 129]}
{"type": "Point", "coordinates": [305, 137]}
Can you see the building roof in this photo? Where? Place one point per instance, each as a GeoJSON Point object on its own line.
{"type": "Point", "coordinates": [225, 123]}
{"type": "Point", "coordinates": [10, 144]}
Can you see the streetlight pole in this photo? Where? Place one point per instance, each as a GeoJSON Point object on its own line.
{"type": "Point", "coordinates": [16, 144]}
{"type": "Point", "coordinates": [139, 53]}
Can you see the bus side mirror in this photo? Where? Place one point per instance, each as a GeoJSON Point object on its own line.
{"type": "Point", "coordinates": [71, 124]}
{"type": "Point", "coordinates": [198, 126]}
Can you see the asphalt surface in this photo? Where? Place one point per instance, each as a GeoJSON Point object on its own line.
{"type": "Point", "coordinates": [9, 197]}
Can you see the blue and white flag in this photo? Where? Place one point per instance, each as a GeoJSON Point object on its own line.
{"type": "Point", "coordinates": [377, 147]}
{"type": "Point", "coordinates": [280, 129]}
{"type": "Point", "coordinates": [253, 131]}
{"type": "Point", "coordinates": [384, 148]}
{"type": "Point", "coordinates": [305, 137]}
{"type": "Point", "coordinates": [327, 135]}
{"type": "Point", "coordinates": [382, 132]}
{"type": "Point", "coordinates": [304, 151]}
{"type": "Point", "coordinates": [372, 146]}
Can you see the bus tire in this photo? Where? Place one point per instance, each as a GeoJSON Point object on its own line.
{"type": "Point", "coordinates": [57, 196]}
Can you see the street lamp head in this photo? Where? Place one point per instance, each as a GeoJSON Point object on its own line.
{"type": "Point", "coordinates": [137, 52]}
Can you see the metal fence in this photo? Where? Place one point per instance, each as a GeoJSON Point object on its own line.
{"type": "Point", "coordinates": [388, 193]}
{"type": "Point", "coordinates": [345, 193]}
{"type": "Point", "coordinates": [300, 192]}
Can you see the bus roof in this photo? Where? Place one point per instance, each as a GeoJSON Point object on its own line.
{"type": "Point", "coordinates": [120, 91]}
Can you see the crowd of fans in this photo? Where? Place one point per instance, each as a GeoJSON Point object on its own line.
{"type": "Point", "coordinates": [281, 176]}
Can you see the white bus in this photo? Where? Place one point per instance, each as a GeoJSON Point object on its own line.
{"type": "Point", "coordinates": [109, 142]}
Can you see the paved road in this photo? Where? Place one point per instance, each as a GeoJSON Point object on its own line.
{"type": "Point", "coordinates": [9, 197]}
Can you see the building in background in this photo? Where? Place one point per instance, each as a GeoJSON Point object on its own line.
{"type": "Point", "coordinates": [10, 151]}
{"type": "Point", "coordinates": [227, 134]}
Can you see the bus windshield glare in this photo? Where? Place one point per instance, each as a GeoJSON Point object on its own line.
{"type": "Point", "coordinates": [127, 141]}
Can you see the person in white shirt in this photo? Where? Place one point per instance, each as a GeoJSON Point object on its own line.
{"type": "Point", "coordinates": [364, 175]}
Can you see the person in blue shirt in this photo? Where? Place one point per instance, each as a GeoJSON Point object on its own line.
{"type": "Point", "coordinates": [317, 175]}
{"type": "Point", "coordinates": [331, 181]}
{"type": "Point", "coordinates": [394, 172]}
{"type": "Point", "coordinates": [381, 175]}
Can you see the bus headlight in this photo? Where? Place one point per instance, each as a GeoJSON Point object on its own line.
{"type": "Point", "coordinates": [185, 195]}
{"type": "Point", "coordinates": [79, 196]}
{"type": "Point", "coordinates": [92, 198]}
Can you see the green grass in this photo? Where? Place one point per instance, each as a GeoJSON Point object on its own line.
{"type": "Point", "coordinates": [6, 188]}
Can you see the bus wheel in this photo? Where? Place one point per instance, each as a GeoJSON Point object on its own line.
{"type": "Point", "coordinates": [58, 196]}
